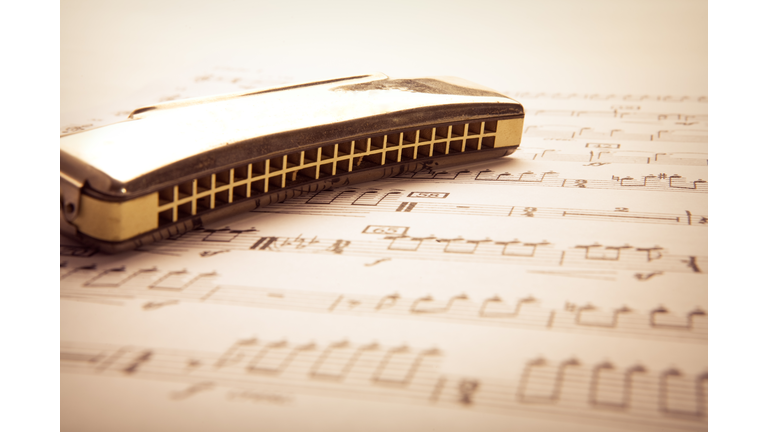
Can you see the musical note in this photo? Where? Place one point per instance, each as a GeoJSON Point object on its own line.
{"type": "Point", "coordinates": [687, 324]}
{"type": "Point", "coordinates": [378, 261]}
{"type": "Point", "coordinates": [646, 276]}
{"type": "Point", "coordinates": [225, 235]}
{"type": "Point", "coordinates": [307, 206]}
{"type": "Point", "coordinates": [578, 132]}
{"type": "Point", "coordinates": [485, 312]}
{"type": "Point", "coordinates": [399, 366]}
{"type": "Point", "coordinates": [600, 158]}
{"type": "Point", "coordinates": [560, 389]}
{"type": "Point", "coordinates": [115, 277]}
{"type": "Point", "coordinates": [158, 305]}
{"type": "Point", "coordinates": [610, 97]}
{"type": "Point", "coordinates": [416, 308]}
{"type": "Point", "coordinates": [463, 292]}
{"type": "Point", "coordinates": [192, 390]}
{"type": "Point", "coordinates": [236, 352]}
{"type": "Point", "coordinates": [275, 357]}
{"type": "Point", "coordinates": [178, 280]}
{"type": "Point", "coordinates": [488, 250]}
{"type": "Point", "coordinates": [538, 386]}
{"type": "Point", "coordinates": [599, 382]}
{"type": "Point", "coordinates": [679, 397]}
{"type": "Point", "coordinates": [649, 183]}
{"type": "Point", "coordinates": [140, 359]}
{"type": "Point", "coordinates": [621, 321]}
{"type": "Point", "coordinates": [612, 322]}
{"type": "Point", "coordinates": [467, 388]}
{"type": "Point", "coordinates": [337, 360]}
{"type": "Point", "coordinates": [66, 272]}
{"type": "Point", "coordinates": [212, 253]}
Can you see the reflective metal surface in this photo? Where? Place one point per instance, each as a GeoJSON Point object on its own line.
{"type": "Point", "coordinates": [164, 142]}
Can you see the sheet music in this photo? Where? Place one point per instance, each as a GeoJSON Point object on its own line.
{"type": "Point", "coordinates": [563, 287]}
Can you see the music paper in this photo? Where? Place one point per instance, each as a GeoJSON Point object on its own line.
{"type": "Point", "coordinates": [563, 287]}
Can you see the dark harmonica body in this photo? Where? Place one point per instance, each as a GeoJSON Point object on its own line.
{"type": "Point", "coordinates": [170, 167]}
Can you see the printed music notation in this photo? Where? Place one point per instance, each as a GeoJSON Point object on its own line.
{"type": "Point", "coordinates": [600, 158]}
{"type": "Point", "coordinates": [622, 113]}
{"type": "Point", "coordinates": [646, 311]}
{"type": "Point", "coordinates": [394, 243]}
{"type": "Point", "coordinates": [352, 201]}
{"type": "Point", "coordinates": [601, 393]}
{"type": "Point", "coordinates": [166, 288]}
{"type": "Point", "coordinates": [661, 182]}
{"type": "Point", "coordinates": [579, 132]}
{"type": "Point", "coordinates": [608, 97]}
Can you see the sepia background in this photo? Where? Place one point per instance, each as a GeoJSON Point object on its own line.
{"type": "Point", "coordinates": [111, 50]}
{"type": "Point", "coordinates": [116, 56]}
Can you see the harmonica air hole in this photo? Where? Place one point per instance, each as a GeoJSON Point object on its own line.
{"type": "Point", "coordinates": [409, 137]}
{"type": "Point", "coordinates": [166, 196]}
{"type": "Point", "coordinates": [441, 132]}
{"type": "Point", "coordinates": [222, 178]}
{"type": "Point", "coordinates": [425, 150]}
{"type": "Point", "coordinates": [185, 210]}
{"type": "Point", "coordinates": [392, 140]}
{"type": "Point", "coordinates": [472, 144]}
{"type": "Point", "coordinates": [209, 192]}
{"type": "Point", "coordinates": [457, 146]}
{"type": "Point", "coordinates": [165, 217]}
{"type": "Point", "coordinates": [259, 168]}
{"type": "Point", "coordinates": [258, 187]}
{"type": "Point", "coordinates": [372, 160]}
{"type": "Point", "coordinates": [392, 156]}
{"type": "Point", "coordinates": [377, 143]}
{"type": "Point", "coordinates": [241, 173]}
{"type": "Point", "coordinates": [222, 197]}
{"type": "Point", "coordinates": [458, 130]}
{"type": "Point", "coordinates": [275, 182]}
{"type": "Point", "coordinates": [203, 204]}
{"type": "Point", "coordinates": [240, 192]}
{"type": "Point", "coordinates": [186, 189]}
{"type": "Point", "coordinates": [295, 159]}
{"type": "Point", "coordinates": [204, 184]}
{"type": "Point", "coordinates": [426, 134]}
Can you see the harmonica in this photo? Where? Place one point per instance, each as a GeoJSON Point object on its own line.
{"type": "Point", "coordinates": [172, 167]}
